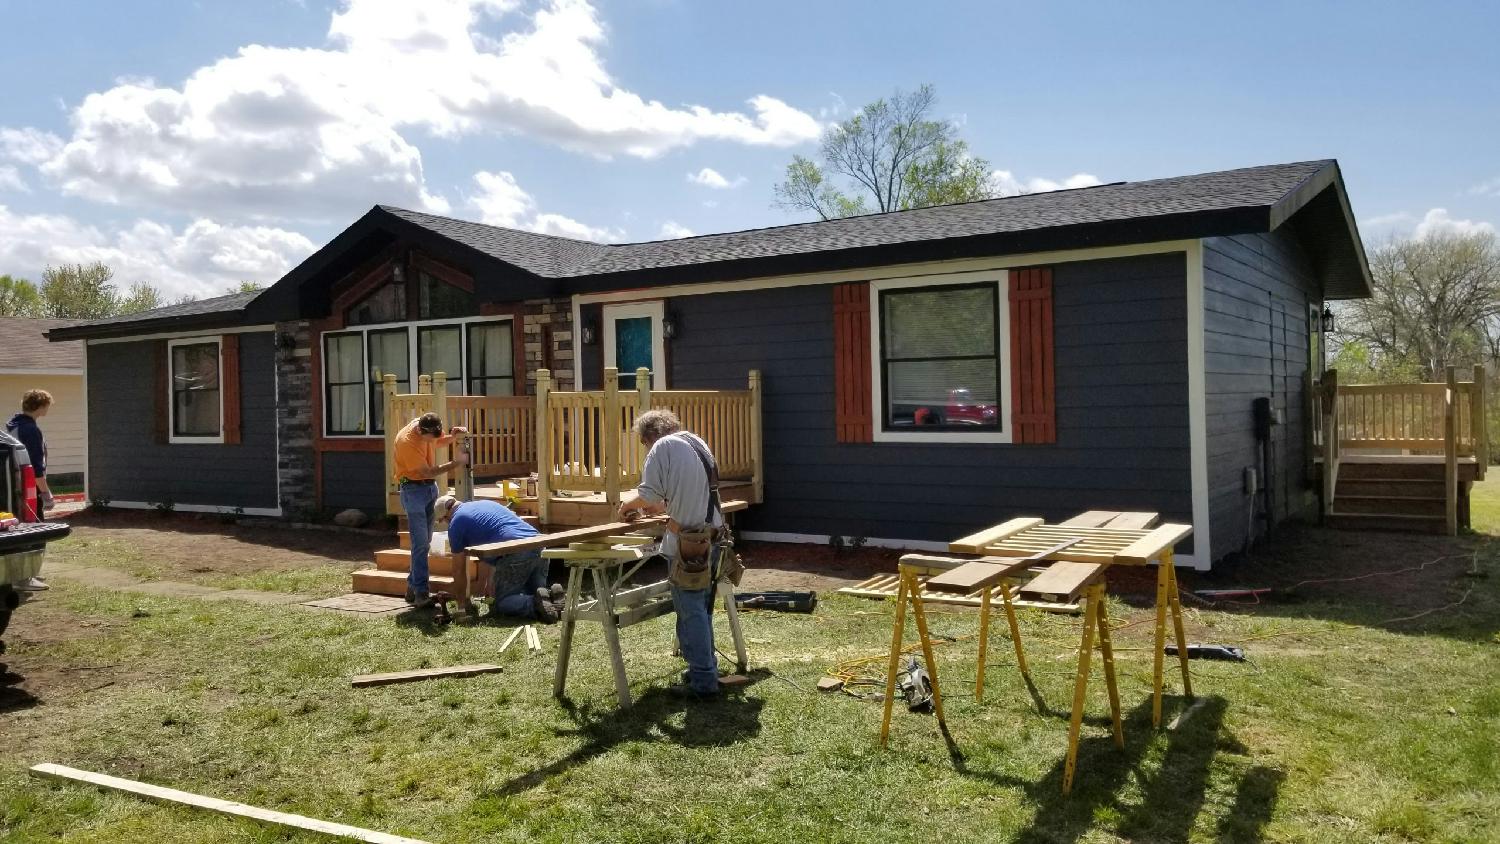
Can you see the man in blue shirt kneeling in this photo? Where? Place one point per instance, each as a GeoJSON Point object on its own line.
{"type": "Point", "coordinates": [519, 582]}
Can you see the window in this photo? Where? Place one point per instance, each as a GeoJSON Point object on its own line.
{"type": "Point", "coordinates": [941, 358]}
{"type": "Point", "coordinates": [386, 304]}
{"type": "Point", "coordinates": [437, 299]}
{"type": "Point", "coordinates": [196, 402]}
{"type": "Point", "coordinates": [476, 353]}
{"type": "Point", "coordinates": [491, 371]}
{"type": "Point", "coordinates": [344, 382]}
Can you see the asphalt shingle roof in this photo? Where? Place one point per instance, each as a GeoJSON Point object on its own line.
{"type": "Point", "coordinates": [24, 345]}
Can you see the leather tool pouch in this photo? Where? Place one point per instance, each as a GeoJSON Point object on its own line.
{"type": "Point", "coordinates": [693, 569]}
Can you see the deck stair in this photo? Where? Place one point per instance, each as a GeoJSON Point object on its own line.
{"type": "Point", "coordinates": [1393, 496]}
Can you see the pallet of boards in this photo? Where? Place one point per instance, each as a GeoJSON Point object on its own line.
{"type": "Point", "coordinates": [885, 586]}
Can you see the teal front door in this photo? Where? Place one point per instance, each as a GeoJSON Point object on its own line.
{"type": "Point", "coordinates": [632, 348]}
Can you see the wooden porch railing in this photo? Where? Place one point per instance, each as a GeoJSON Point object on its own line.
{"type": "Point", "coordinates": [1445, 418]}
{"type": "Point", "coordinates": [587, 443]}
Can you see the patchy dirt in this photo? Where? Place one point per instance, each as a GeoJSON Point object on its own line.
{"type": "Point", "coordinates": [38, 623]}
{"type": "Point", "coordinates": [181, 545]}
{"type": "Point", "coordinates": [773, 565]}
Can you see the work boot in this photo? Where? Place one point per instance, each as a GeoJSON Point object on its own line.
{"type": "Point", "coordinates": [558, 592]}
{"type": "Point", "coordinates": [546, 611]}
{"type": "Point", "coordinates": [35, 584]}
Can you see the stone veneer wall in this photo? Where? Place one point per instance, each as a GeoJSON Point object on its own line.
{"type": "Point", "coordinates": [552, 317]}
{"type": "Point", "coordinates": [294, 422]}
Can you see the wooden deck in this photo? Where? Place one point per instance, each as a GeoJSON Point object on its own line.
{"type": "Point", "coordinates": [586, 509]}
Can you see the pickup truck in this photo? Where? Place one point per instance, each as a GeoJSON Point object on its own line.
{"type": "Point", "coordinates": [961, 409]}
{"type": "Point", "coordinates": [23, 535]}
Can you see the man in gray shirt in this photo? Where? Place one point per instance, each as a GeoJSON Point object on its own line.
{"type": "Point", "coordinates": [674, 481]}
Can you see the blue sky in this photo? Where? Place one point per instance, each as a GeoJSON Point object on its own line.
{"type": "Point", "coordinates": [193, 144]}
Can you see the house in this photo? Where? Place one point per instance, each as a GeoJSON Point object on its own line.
{"type": "Point", "coordinates": [29, 362]}
{"type": "Point", "coordinates": [926, 373]}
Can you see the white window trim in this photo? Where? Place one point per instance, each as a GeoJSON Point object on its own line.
{"type": "Point", "coordinates": [173, 437]}
{"type": "Point", "coordinates": [877, 398]}
{"type": "Point", "coordinates": [656, 309]}
{"type": "Point", "coordinates": [411, 351]}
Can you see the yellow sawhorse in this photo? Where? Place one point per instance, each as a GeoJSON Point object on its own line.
{"type": "Point", "coordinates": [1062, 581]}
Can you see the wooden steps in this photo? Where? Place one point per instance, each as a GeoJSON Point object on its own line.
{"type": "Point", "coordinates": [1383, 521]}
{"type": "Point", "coordinates": [1397, 493]}
{"type": "Point", "coordinates": [398, 559]}
{"type": "Point", "coordinates": [393, 583]}
{"type": "Point", "coordinates": [1392, 505]}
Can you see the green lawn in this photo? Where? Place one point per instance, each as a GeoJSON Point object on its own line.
{"type": "Point", "coordinates": [1346, 727]}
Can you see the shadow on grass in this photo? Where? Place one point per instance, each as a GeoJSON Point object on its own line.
{"type": "Point", "coordinates": [341, 545]}
{"type": "Point", "coordinates": [719, 722]}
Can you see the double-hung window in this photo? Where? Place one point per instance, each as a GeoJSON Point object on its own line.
{"type": "Point", "coordinates": [197, 407]}
{"type": "Point", "coordinates": [941, 359]}
{"type": "Point", "coordinates": [472, 352]}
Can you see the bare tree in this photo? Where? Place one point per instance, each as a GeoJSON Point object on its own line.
{"type": "Point", "coordinates": [1434, 301]}
{"type": "Point", "coordinates": [895, 155]}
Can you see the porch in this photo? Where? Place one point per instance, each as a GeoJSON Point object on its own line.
{"type": "Point", "coordinates": [1400, 456]}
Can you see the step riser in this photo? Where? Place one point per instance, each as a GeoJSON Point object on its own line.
{"type": "Point", "coordinates": [1345, 521]}
{"type": "Point", "coordinates": [1404, 489]}
{"type": "Point", "coordinates": [394, 560]}
{"type": "Point", "coordinates": [376, 582]}
{"type": "Point", "coordinates": [1391, 506]}
{"type": "Point", "coordinates": [1390, 471]}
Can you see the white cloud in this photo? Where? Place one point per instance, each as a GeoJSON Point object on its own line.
{"type": "Point", "coordinates": [1439, 221]}
{"type": "Point", "coordinates": [319, 133]}
{"type": "Point", "coordinates": [501, 201]}
{"type": "Point", "coordinates": [1489, 188]}
{"type": "Point", "coordinates": [708, 177]}
{"type": "Point", "coordinates": [1007, 184]}
{"type": "Point", "coordinates": [671, 230]}
{"type": "Point", "coordinates": [1400, 218]}
{"type": "Point", "coordinates": [10, 179]}
{"type": "Point", "coordinates": [202, 259]}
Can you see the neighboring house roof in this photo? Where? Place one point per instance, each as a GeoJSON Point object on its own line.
{"type": "Point", "coordinates": [216, 312]}
{"type": "Point", "coordinates": [25, 347]}
{"type": "Point", "coordinates": [1309, 196]}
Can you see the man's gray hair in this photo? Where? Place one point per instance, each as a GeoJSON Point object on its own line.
{"type": "Point", "coordinates": [655, 424]}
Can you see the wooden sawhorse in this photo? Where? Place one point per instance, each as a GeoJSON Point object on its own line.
{"type": "Point", "coordinates": [610, 563]}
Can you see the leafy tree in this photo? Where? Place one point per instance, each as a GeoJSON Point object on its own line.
{"type": "Point", "coordinates": [142, 297]}
{"type": "Point", "coordinates": [895, 156]}
{"type": "Point", "coordinates": [247, 287]}
{"type": "Point", "coordinates": [19, 298]}
{"type": "Point", "coordinates": [79, 291]}
{"type": "Point", "coordinates": [1435, 301]}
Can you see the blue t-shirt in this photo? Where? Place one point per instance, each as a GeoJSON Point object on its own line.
{"type": "Point", "coordinates": [25, 429]}
{"type": "Point", "coordinates": [483, 522]}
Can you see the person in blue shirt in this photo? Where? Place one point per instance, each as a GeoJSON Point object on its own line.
{"type": "Point", "coordinates": [22, 426]}
{"type": "Point", "coordinates": [519, 582]}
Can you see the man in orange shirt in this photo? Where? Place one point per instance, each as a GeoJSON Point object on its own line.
{"type": "Point", "coordinates": [416, 470]}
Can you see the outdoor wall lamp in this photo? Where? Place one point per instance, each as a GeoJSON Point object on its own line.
{"type": "Point", "coordinates": [589, 334]}
{"type": "Point", "coordinates": [398, 273]}
{"type": "Point", "coordinates": [1327, 319]}
{"type": "Point", "coordinates": [669, 326]}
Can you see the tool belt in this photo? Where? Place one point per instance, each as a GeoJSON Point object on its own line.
{"type": "Point", "coordinates": [705, 554]}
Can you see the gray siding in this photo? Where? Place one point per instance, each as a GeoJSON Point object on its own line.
{"type": "Point", "coordinates": [1122, 418]}
{"type": "Point", "coordinates": [1257, 294]}
{"type": "Point", "coordinates": [126, 463]}
{"type": "Point", "coordinates": [353, 479]}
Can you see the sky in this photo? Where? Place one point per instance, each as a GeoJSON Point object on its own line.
{"type": "Point", "coordinates": [194, 145]}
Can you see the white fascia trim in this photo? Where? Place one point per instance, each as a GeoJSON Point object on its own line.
{"type": "Point", "coordinates": [822, 539]}
{"type": "Point", "coordinates": [1202, 556]}
{"type": "Point", "coordinates": [201, 508]}
{"type": "Point", "coordinates": [78, 371]}
{"type": "Point", "coordinates": [180, 335]}
{"type": "Point", "coordinates": [958, 265]}
{"type": "Point", "coordinates": [877, 383]}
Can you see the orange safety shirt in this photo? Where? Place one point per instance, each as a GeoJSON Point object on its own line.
{"type": "Point", "coordinates": [413, 453]}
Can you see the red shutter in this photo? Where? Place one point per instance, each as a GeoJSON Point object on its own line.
{"type": "Point", "coordinates": [163, 401]}
{"type": "Point", "coordinates": [229, 365]}
{"type": "Point", "coordinates": [851, 362]}
{"type": "Point", "coordinates": [1032, 395]}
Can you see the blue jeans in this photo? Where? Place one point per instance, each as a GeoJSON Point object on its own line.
{"type": "Point", "coordinates": [695, 637]}
{"type": "Point", "coordinates": [417, 501]}
{"type": "Point", "coordinates": [515, 580]}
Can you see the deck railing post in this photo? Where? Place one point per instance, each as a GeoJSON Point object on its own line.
{"type": "Point", "coordinates": [1450, 450]}
{"type": "Point", "coordinates": [756, 453]}
{"type": "Point", "coordinates": [1479, 427]}
{"type": "Point", "coordinates": [1330, 422]}
{"type": "Point", "coordinates": [439, 386]}
{"type": "Point", "coordinates": [543, 447]}
{"type": "Point", "coordinates": [424, 385]}
{"type": "Point", "coordinates": [643, 404]}
{"type": "Point", "coordinates": [609, 428]}
{"type": "Point", "coordinates": [388, 412]}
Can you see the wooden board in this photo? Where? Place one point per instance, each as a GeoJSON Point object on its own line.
{"type": "Point", "coordinates": [1091, 518]}
{"type": "Point", "coordinates": [1152, 545]}
{"type": "Point", "coordinates": [975, 575]}
{"type": "Point", "coordinates": [214, 804]}
{"type": "Point", "coordinates": [1064, 581]}
{"type": "Point", "coordinates": [360, 681]}
{"type": "Point", "coordinates": [551, 540]}
{"type": "Point", "coordinates": [975, 543]}
{"type": "Point", "coordinates": [1134, 521]}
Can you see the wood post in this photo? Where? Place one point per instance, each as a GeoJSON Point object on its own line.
{"type": "Point", "coordinates": [424, 385]}
{"type": "Point", "coordinates": [1450, 450]}
{"type": "Point", "coordinates": [543, 447]}
{"type": "Point", "coordinates": [610, 431]}
{"type": "Point", "coordinates": [756, 447]}
{"type": "Point", "coordinates": [1330, 423]}
{"type": "Point", "coordinates": [388, 405]}
{"type": "Point", "coordinates": [1479, 422]}
{"type": "Point", "coordinates": [438, 384]}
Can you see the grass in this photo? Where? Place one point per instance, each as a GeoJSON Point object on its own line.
{"type": "Point", "coordinates": [1345, 728]}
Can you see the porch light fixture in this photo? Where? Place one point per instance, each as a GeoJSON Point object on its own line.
{"type": "Point", "coordinates": [669, 326]}
{"type": "Point", "coordinates": [1328, 327]}
{"type": "Point", "coordinates": [398, 273]}
{"type": "Point", "coordinates": [589, 334]}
